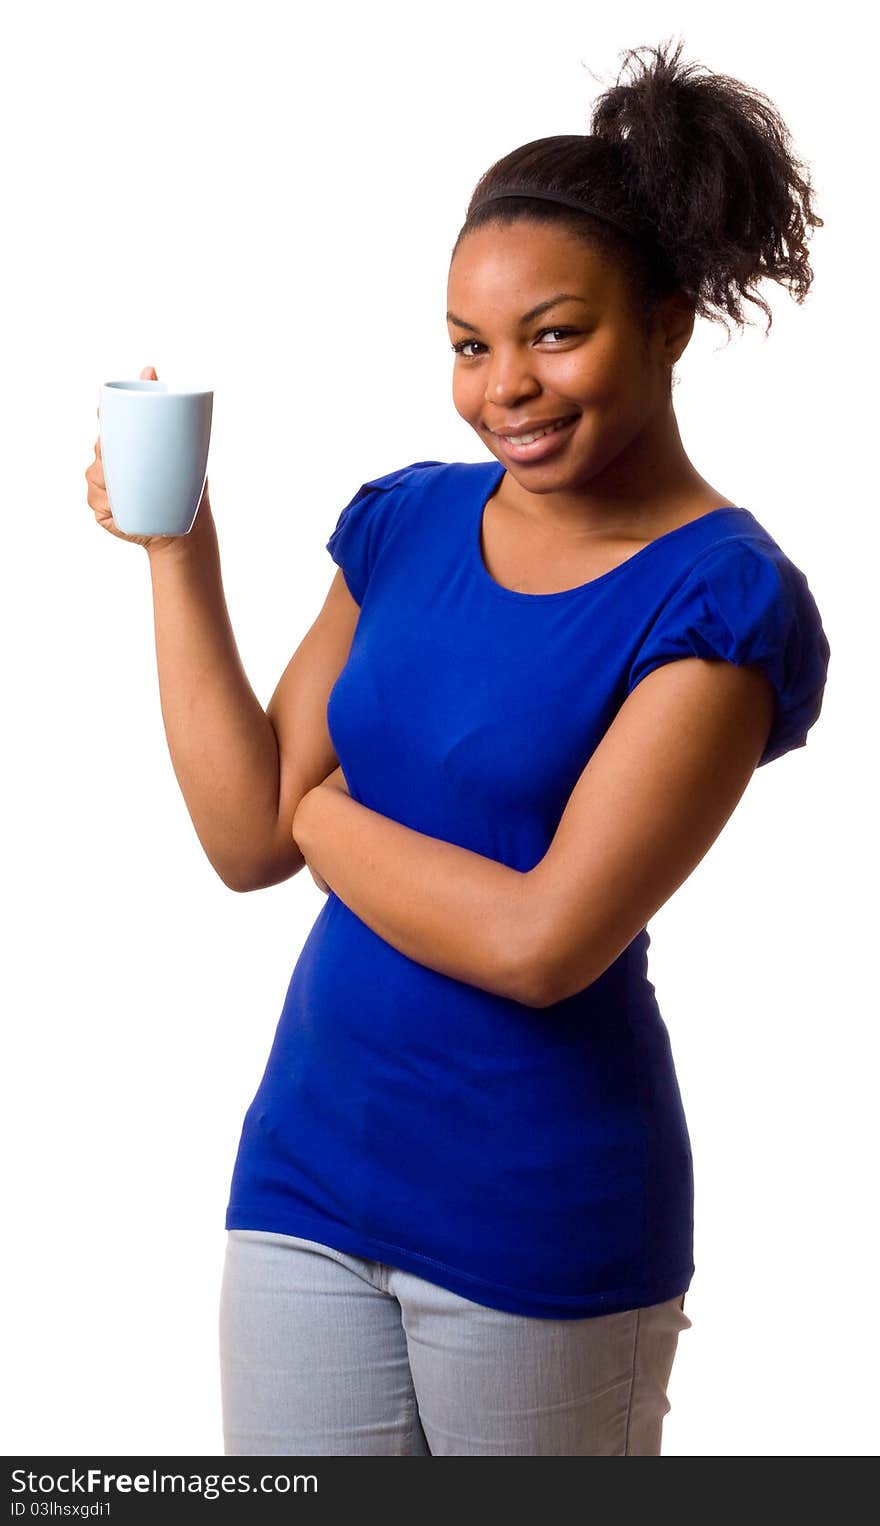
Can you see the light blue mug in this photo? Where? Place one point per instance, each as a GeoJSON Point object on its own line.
{"type": "Point", "coordinates": [154, 449]}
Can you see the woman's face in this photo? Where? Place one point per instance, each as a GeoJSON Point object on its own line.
{"type": "Point", "coordinates": [584, 359]}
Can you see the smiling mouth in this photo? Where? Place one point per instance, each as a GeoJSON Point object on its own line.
{"type": "Point", "coordinates": [535, 434]}
{"type": "Point", "coordinates": [538, 445]}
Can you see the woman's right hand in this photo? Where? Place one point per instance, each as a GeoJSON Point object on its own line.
{"type": "Point", "coordinates": [99, 502]}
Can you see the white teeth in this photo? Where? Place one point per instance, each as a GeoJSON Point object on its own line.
{"type": "Point", "coordinates": [526, 439]}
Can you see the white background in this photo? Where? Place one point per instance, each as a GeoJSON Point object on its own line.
{"type": "Point", "coordinates": [267, 197]}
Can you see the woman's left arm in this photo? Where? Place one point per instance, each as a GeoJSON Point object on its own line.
{"type": "Point", "coordinates": [443, 906]}
{"type": "Point", "coordinates": [652, 799]}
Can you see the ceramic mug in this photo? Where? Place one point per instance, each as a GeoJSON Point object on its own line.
{"type": "Point", "coordinates": [154, 449]}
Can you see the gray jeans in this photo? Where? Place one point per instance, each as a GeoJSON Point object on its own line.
{"type": "Point", "coordinates": [325, 1354]}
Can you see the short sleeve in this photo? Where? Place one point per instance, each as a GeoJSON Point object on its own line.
{"type": "Point", "coordinates": [364, 525]}
{"type": "Point", "coordinates": [744, 604]}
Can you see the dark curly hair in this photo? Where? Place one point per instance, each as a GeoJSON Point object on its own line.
{"type": "Point", "coordinates": [701, 169]}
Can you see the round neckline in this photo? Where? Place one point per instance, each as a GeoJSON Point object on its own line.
{"type": "Point", "coordinates": [498, 470]}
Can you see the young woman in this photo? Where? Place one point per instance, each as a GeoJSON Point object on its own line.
{"type": "Point", "coordinates": [461, 1214]}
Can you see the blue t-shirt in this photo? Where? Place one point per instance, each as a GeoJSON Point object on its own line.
{"type": "Point", "coordinates": [532, 1160]}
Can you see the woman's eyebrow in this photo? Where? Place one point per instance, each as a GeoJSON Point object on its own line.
{"type": "Point", "coordinates": [533, 312]}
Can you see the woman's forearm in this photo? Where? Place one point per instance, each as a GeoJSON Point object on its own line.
{"type": "Point", "coordinates": [223, 748]}
{"type": "Point", "coordinates": [443, 906]}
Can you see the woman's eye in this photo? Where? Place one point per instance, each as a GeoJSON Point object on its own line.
{"type": "Point", "coordinates": [463, 344]}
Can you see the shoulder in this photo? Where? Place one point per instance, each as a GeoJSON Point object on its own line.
{"type": "Point", "coordinates": [380, 496]}
{"type": "Point", "coordinates": [379, 500]}
{"type": "Point", "coordinates": [367, 523]}
{"type": "Point", "coordinates": [743, 600]}
{"type": "Point", "coordinates": [749, 582]}
{"type": "Point", "coordinates": [417, 474]}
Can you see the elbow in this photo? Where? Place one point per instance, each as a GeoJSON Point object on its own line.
{"type": "Point", "coordinates": [541, 988]}
{"type": "Point", "coordinates": [238, 884]}
{"type": "Point", "coordinates": [532, 993]}
{"type": "Point", "coordinates": [264, 875]}
{"type": "Point", "coordinates": [558, 960]}
{"type": "Point", "coordinates": [534, 980]}
{"type": "Point", "coordinates": [525, 963]}
{"type": "Point", "coordinates": [546, 989]}
{"type": "Point", "coordinates": [551, 978]}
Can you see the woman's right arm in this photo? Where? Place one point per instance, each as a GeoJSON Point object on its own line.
{"type": "Point", "coordinates": [242, 770]}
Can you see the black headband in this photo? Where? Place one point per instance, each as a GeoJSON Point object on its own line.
{"type": "Point", "coordinates": [566, 201]}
